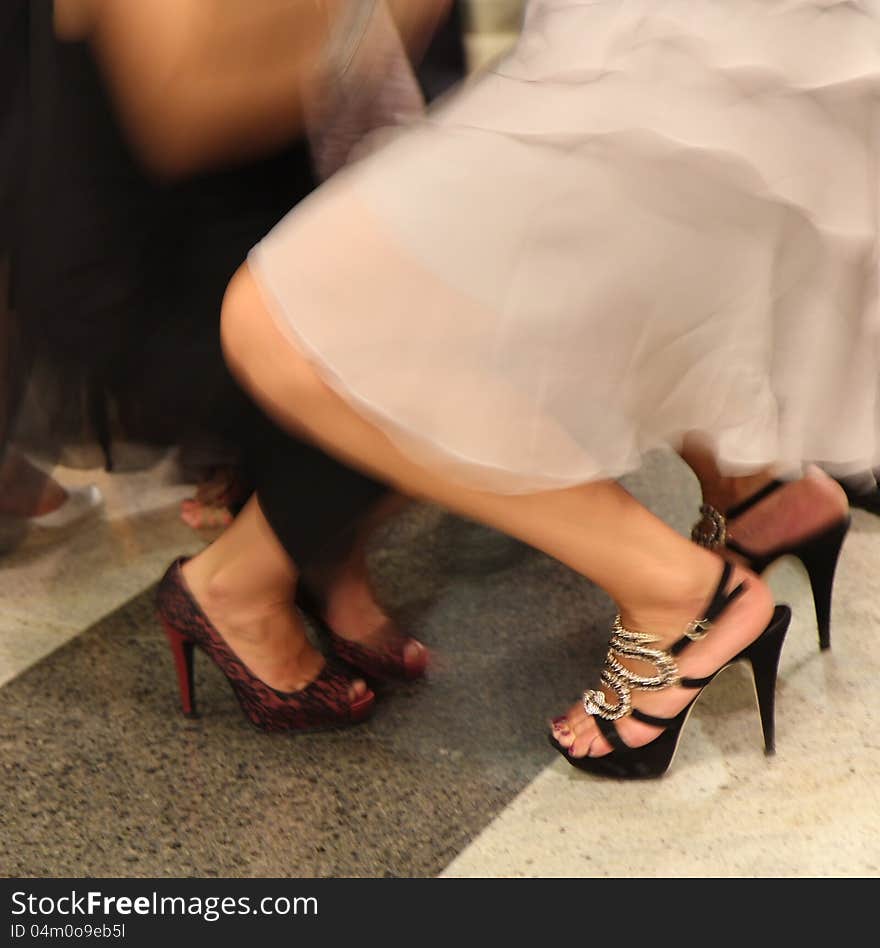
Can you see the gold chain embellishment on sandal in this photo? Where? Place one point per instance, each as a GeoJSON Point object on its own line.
{"type": "Point", "coordinates": [711, 530]}
{"type": "Point", "coordinates": [621, 680]}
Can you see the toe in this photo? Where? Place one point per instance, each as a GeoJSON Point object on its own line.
{"type": "Point", "coordinates": [584, 739]}
{"type": "Point", "coordinates": [582, 736]}
{"type": "Point", "coordinates": [415, 657]}
{"type": "Point", "coordinates": [358, 690]}
{"type": "Point", "coordinates": [562, 733]}
{"type": "Point", "coordinates": [361, 700]}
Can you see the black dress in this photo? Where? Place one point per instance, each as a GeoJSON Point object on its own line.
{"type": "Point", "coordinates": [14, 25]}
{"type": "Point", "coordinates": [118, 281]}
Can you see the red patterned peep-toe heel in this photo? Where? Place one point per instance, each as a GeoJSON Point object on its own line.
{"type": "Point", "coordinates": [322, 705]}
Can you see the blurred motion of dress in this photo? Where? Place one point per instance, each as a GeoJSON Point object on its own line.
{"type": "Point", "coordinates": [648, 219]}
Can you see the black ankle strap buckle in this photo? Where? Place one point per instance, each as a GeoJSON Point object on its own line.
{"type": "Point", "coordinates": [698, 629]}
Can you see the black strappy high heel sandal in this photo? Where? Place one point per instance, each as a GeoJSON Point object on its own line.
{"type": "Point", "coordinates": [655, 758]}
{"type": "Point", "coordinates": [818, 553]}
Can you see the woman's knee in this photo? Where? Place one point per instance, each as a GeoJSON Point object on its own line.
{"type": "Point", "coordinates": [265, 361]}
{"type": "Point", "coordinates": [238, 312]}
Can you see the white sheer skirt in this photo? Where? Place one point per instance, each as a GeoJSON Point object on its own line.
{"type": "Point", "coordinates": [651, 218]}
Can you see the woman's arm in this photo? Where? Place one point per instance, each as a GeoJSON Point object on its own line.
{"type": "Point", "coordinates": [202, 81]}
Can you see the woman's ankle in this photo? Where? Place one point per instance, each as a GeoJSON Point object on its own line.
{"type": "Point", "coordinates": [724, 493]}
{"type": "Point", "coordinates": [718, 490]}
{"type": "Point", "coordinates": [266, 633]}
{"type": "Point", "coordinates": [675, 605]}
{"type": "Point", "coordinates": [740, 621]}
{"type": "Point", "coordinates": [240, 598]}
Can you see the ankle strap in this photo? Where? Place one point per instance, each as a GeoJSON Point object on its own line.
{"type": "Point", "coordinates": [719, 602]}
{"type": "Point", "coordinates": [711, 530]}
{"type": "Point", "coordinates": [755, 498]}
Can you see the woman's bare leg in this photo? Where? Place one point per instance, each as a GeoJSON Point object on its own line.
{"type": "Point", "coordinates": [659, 580]}
{"type": "Point", "coordinates": [245, 584]}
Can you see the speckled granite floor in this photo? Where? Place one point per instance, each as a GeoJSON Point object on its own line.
{"type": "Point", "coordinates": [106, 778]}
{"type": "Point", "coordinates": [101, 776]}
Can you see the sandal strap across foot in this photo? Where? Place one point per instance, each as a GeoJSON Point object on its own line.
{"type": "Point", "coordinates": [626, 643]}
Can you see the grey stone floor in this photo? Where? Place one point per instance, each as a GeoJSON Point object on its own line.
{"type": "Point", "coordinates": [106, 778]}
{"type": "Point", "coordinates": [101, 776]}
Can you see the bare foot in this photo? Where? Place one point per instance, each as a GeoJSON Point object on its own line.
{"type": "Point", "coordinates": [739, 625]}
{"type": "Point", "coordinates": [351, 610]}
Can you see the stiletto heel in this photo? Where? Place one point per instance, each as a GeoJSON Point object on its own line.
{"type": "Point", "coordinates": [818, 554]}
{"type": "Point", "coordinates": [655, 758]}
{"type": "Point", "coordinates": [183, 651]}
{"type": "Point", "coordinates": [323, 704]}
{"type": "Point", "coordinates": [819, 557]}
{"type": "Point", "coordinates": [763, 655]}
